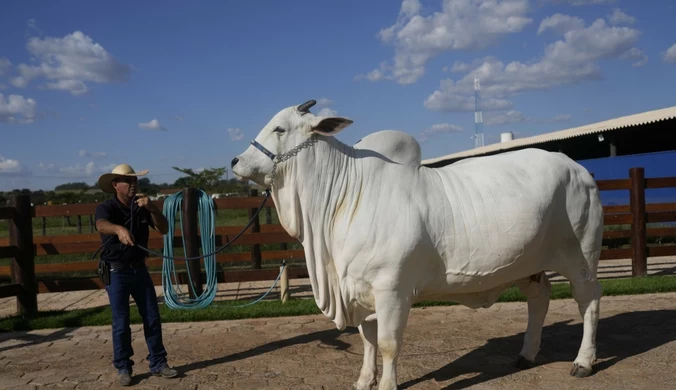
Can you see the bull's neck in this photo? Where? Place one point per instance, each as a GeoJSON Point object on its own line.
{"type": "Point", "coordinates": [311, 185]}
{"type": "Point", "coordinates": [313, 182]}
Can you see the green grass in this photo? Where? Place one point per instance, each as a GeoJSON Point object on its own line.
{"type": "Point", "coordinates": [222, 311]}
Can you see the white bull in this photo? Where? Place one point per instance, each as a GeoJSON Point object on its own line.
{"type": "Point", "coordinates": [381, 232]}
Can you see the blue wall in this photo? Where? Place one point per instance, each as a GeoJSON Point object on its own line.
{"type": "Point", "coordinates": [654, 164]}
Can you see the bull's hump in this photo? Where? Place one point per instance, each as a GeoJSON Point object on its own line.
{"type": "Point", "coordinates": [396, 146]}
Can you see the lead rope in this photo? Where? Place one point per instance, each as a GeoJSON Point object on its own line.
{"type": "Point", "coordinates": [207, 224]}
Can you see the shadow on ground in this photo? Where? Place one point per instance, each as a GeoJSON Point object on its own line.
{"type": "Point", "coordinates": [327, 337]}
{"type": "Point", "coordinates": [618, 337]}
{"type": "Point", "coordinates": [29, 339]}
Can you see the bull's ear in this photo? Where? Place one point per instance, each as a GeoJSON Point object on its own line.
{"type": "Point", "coordinates": [331, 125]}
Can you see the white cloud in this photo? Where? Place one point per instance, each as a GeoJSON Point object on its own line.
{"type": "Point", "coordinates": [513, 116]}
{"type": "Point", "coordinates": [95, 155]}
{"type": "Point", "coordinates": [32, 27]}
{"type": "Point", "coordinates": [5, 66]}
{"type": "Point", "coordinates": [8, 165]}
{"type": "Point", "coordinates": [561, 24]}
{"type": "Point", "coordinates": [458, 66]}
{"type": "Point", "coordinates": [619, 17]}
{"type": "Point", "coordinates": [580, 2]}
{"type": "Point", "coordinates": [439, 128]}
{"type": "Point", "coordinates": [462, 67]}
{"type": "Point", "coordinates": [152, 125]}
{"type": "Point", "coordinates": [327, 112]}
{"type": "Point", "coordinates": [323, 102]}
{"type": "Point", "coordinates": [460, 25]}
{"type": "Point", "coordinates": [68, 62]}
{"type": "Point", "coordinates": [669, 56]}
{"type": "Point", "coordinates": [19, 82]}
{"type": "Point", "coordinates": [635, 54]}
{"type": "Point", "coordinates": [503, 118]}
{"type": "Point", "coordinates": [76, 87]}
{"type": "Point", "coordinates": [235, 134]}
{"type": "Point", "coordinates": [77, 170]}
{"type": "Point", "coordinates": [568, 61]}
{"type": "Point", "coordinates": [16, 108]}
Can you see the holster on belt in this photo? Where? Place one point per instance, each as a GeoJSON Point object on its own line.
{"type": "Point", "coordinates": [104, 272]}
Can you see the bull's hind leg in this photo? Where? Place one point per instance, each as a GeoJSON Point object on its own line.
{"type": "Point", "coordinates": [587, 294]}
{"type": "Point", "coordinates": [538, 291]}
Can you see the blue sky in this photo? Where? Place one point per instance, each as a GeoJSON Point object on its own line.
{"type": "Point", "coordinates": [87, 85]}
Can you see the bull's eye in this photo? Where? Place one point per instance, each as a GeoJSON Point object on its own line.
{"type": "Point", "coordinates": [279, 130]}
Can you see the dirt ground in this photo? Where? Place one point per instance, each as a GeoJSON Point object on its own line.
{"type": "Point", "coordinates": [444, 348]}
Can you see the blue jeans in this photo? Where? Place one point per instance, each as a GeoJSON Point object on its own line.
{"type": "Point", "coordinates": [137, 283]}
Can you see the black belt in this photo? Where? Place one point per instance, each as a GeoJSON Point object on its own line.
{"type": "Point", "coordinates": [126, 264]}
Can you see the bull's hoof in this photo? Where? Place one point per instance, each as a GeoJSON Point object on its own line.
{"type": "Point", "coordinates": [580, 372]}
{"type": "Point", "coordinates": [523, 364]}
{"type": "Point", "coordinates": [360, 386]}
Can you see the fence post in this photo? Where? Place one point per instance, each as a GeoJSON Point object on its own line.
{"type": "Point", "coordinates": [255, 228]}
{"type": "Point", "coordinates": [192, 243]}
{"type": "Point", "coordinates": [23, 265]}
{"type": "Point", "coordinates": [638, 225]}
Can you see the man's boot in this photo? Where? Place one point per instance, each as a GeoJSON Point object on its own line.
{"type": "Point", "coordinates": [124, 377]}
{"type": "Point", "coordinates": [166, 372]}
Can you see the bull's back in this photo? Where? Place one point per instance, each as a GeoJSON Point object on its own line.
{"type": "Point", "coordinates": [494, 217]}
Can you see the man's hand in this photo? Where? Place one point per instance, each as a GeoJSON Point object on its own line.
{"type": "Point", "coordinates": [142, 200]}
{"type": "Point", "coordinates": [124, 236]}
{"type": "Point", "coordinates": [160, 221]}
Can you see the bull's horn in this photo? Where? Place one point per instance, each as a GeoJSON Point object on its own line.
{"type": "Point", "coordinates": [305, 107]}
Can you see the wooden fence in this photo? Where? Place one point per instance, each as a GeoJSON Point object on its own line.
{"type": "Point", "coordinates": [638, 214]}
{"type": "Point", "coordinates": [628, 243]}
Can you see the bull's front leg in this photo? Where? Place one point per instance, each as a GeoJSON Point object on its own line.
{"type": "Point", "coordinates": [392, 312]}
{"type": "Point", "coordinates": [369, 370]}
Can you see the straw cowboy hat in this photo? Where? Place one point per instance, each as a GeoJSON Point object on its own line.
{"type": "Point", "coordinates": [106, 180]}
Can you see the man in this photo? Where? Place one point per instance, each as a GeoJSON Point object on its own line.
{"type": "Point", "coordinates": [128, 272]}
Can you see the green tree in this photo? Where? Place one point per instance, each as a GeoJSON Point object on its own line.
{"type": "Point", "coordinates": [205, 180]}
{"type": "Point", "coordinates": [72, 186]}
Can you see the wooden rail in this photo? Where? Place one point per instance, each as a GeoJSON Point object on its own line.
{"type": "Point", "coordinates": [635, 217]}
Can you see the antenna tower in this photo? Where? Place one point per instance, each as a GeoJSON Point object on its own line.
{"type": "Point", "coordinates": [478, 116]}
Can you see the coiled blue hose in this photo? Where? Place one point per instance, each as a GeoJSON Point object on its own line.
{"type": "Point", "coordinates": [207, 226]}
